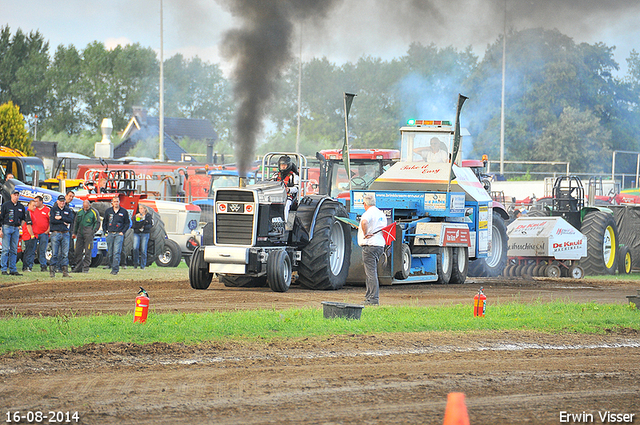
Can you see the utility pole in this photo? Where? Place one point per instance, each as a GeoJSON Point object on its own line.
{"type": "Point", "coordinates": [504, 61]}
{"type": "Point", "coordinates": [299, 92]}
{"type": "Point", "coordinates": [161, 108]}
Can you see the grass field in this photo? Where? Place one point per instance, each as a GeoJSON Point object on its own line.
{"type": "Point", "coordinates": [65, 331]}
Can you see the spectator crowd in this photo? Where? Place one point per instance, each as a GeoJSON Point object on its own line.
{"type": "Point", "coordinates": [39, 226]}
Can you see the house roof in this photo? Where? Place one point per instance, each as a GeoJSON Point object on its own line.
{"type": "Point", "coordinates": [178, 128]}
{"type": "Point", "coordinates": [172, 150]}
{"type": "Point", "coordinates": [174, 129]}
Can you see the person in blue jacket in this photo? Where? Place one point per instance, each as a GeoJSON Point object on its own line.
{"type": "Point", "coordinates": [60, 219]}
{"type": "Point", "coordinates": [114, 224]}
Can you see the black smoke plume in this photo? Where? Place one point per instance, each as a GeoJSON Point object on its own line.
{"type": "Point", "coordinates": [260, 50]}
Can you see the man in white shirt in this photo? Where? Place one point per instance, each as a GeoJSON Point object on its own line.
{"type": "Point", "coordinates": [433, 153]}
{"type": "Point", "coordinates": [372, 242]}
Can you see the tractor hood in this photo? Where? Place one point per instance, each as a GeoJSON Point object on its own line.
{"type": "Point", "coordinates": [27, 193]}
{"type": "Point", "coordinates": [423, 176]}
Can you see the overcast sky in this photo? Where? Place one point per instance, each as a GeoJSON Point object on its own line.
{"type": "Point", "coordinates": [352, 28]}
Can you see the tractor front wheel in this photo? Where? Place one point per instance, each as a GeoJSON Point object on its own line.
{"type": "Point", "coordinates": [279, 271]}
{"type": "Point", "coordinates": [199, 276]}
{"type": "Point", "coordinates": [170, 256]}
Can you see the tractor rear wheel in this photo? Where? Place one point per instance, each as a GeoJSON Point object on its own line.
{"type": "Point", "coordinates": [538, 213]}
{"type": "Point", "coordinates": [325, 260]}
{"type": "Point", "coordinates": [279, 271]}
{"type": "Point", "coordinates": [493, 265]}
{"type": "Point", "coordinates": [602, 243]}
{"type": "Point", "coordinates": [460, 266]}
{"type": "Point", "coordinates": [199, 275]}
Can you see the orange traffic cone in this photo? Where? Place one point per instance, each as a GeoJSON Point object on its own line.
{"type": "Point", "coordinates": [456, 412]}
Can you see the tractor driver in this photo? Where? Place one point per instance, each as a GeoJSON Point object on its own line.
{"type": "Point", "coordinates": [287, 174]}
{"type": "Point", "coordinates": [433, 153]}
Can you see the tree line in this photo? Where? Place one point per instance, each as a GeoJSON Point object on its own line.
{"type": "Point", "coordinates": [564, 100]}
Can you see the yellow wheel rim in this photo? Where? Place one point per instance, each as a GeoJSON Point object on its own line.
{"type": "Point", "coordinates": [627, 262]}
{"type": "Point", "coordinates": [609, 247]}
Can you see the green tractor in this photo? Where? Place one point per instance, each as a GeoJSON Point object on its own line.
{"type": "Point", "coordinates": [595, 222]}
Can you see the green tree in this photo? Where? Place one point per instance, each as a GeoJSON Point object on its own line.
{"type": "Point", "coordinates": [116, 80]}
{"type": "Point", "coordinates": [376, 111]}
{"type": "Point", "coordinates": [24, 59]}
{"type": "Point", "coordinates": [198, 90]}
{"type": "Point", "coordinates": [546, 74]}
{"type": "Point", "coordinates": [13, 133]}
{"type": "Point", "coordinates": [82, 142]}
{"type": "Point", "coordinates": [578, 137]}
{"type": "Point", "coordinates": [66, 109]}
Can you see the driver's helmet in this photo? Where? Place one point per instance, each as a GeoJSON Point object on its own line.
{"type": "Point", "coordinates": [284, 164]}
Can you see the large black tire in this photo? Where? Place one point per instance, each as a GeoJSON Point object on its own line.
{"type": "Point", "coordinates": [199, 276]}
{"type": "Point", "coordinates": [170, 256]}
{"type": "Point", "coordinates": [127, 248]}
{"type": "Point", "coordinates": [97, 260]}
{"type": "Point", "coordinates": [241, 281]}
{"type": "Point", "coordinates": [279, 271]}
{"type": "Point", "coordinates": [602, 243]}
{"type": "Point", "coordinates": [538, 213]}
{"type": "Point", "coordinates": [444, 265]}
{"type": "Point", "coordinates": [494, 264]}
{"type": "Point", "coordinates": [326, 259]}
{"type": "Point", "coordinates": [460, 267]}
{"type": "Point", "coordinates": [101, 207]}
{"type": "Point", "coordinates": [158, 236]}
{"type": "Point", "coordinates": [406, 263]}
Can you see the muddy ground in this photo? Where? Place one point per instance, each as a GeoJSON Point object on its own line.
{"type": "Point", "coordinates": [508, 377]}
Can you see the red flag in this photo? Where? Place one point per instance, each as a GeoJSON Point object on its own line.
{"type": "Point", "coordinates": [389, 233]}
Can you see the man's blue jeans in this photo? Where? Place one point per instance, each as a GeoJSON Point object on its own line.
{"type": "Point", "coordinates": [10, 237]}
{"type": "Point", "coordinates": [60, 247]}
{"type": "Point", "coordinates": [29, 254]}
{"type": "Point", "coordinates": [114, 247]}
{"type": "Point", "coordinates": [140, 243]}
{"type": "Point", "coordinates": [43, 241]}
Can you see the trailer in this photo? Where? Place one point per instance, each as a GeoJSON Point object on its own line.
{"type": "Point", "coordinates": [549, 247]}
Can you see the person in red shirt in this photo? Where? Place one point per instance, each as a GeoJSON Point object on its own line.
{"type": "Point", "coordinates": [29, 239]}
{"type": "Point", "coordinates": [40, 225]}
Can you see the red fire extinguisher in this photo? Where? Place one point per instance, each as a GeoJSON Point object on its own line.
{"type": "Point", "coordinates": [142, 306]}
{"type": "Point", "coordinates": [479, 304]}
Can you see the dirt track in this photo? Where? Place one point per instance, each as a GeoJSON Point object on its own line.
{"type": "Point", "coordinates": [508, 377]}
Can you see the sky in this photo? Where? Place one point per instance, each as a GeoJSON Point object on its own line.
{"type": "Point", "coordinates": [351, 28]}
